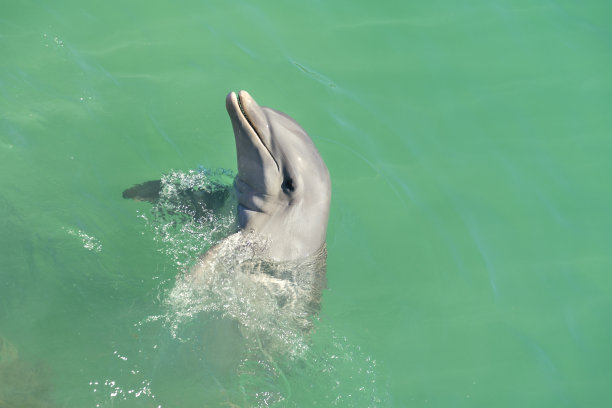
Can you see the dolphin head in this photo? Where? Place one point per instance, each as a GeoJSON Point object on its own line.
{"type": "Point", "coordinates": [283, 186]}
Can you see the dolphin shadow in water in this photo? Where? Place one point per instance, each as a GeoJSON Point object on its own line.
{"type": "Point", "coordinates": [283, 193]}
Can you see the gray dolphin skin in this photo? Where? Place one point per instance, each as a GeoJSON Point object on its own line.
{"type": "Point", "coordinates": [283, 185]}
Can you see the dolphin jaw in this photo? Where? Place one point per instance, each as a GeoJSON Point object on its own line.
{"type": "Point", "coordinates": [257, 166]}
{"type": "Point", "coordinates": [246, 110]}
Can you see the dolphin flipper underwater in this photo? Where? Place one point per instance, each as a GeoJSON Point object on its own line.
{"type": "Point", "coordinates": [283, 193]}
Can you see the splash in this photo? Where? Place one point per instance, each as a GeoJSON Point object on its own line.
{"type": "Point", "coordinates": [89, 242]}
{"type": "Point", "coordinates": [274, 303]}
{"type": "Point", "coordinates": [249, 325]}
{"type": "Point", "coordinates": [194, 211]}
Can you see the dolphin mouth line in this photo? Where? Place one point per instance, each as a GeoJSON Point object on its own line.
{"type": "Point", "coordinates": [252, 125]}
{"type": "Point", "coordinates": [246, 116]}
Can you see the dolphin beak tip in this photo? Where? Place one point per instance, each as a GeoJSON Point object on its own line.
{"type": "Point", "coordinates": [231, 101]}
{"type": "Point", "coordinates": [243, 95]}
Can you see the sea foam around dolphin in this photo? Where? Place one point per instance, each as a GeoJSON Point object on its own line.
{"type": "Point", "coordinates": [273, 302]}
{"type": "Point", "coordinates": [185, 228]}
{"type": "Point", "coordinates": [255, 321]}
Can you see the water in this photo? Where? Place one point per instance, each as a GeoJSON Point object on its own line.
{"type": "Point", "coordinates": [469, 237]}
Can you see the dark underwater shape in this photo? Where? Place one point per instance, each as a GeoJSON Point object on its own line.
{"type": "Point", "coordinates": [147, 191]}
{"type": "Point", "coordinates": [195, 199]}
{"type": "Point", "coordinates": [23, 384]}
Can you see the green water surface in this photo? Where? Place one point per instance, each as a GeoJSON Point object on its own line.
{"type": "Point", "coordinates": [470, 237]}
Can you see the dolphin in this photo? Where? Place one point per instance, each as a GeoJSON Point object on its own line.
{"type": "Point", "coordinates": [269, 274]}
{"type": "Point", "coordinates": [283, 186]}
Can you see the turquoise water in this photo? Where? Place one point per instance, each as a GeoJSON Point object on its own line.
{"type": "Point", "coordinates": [470, 236]}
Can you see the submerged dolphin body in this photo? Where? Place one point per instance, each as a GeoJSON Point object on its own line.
{"type": "Point", "coordinates": [283, 186]}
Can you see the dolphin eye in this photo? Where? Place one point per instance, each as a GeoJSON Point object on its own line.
{"type": "Point", "coordinates": [287, 185]}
